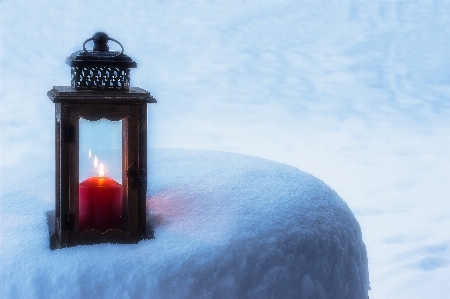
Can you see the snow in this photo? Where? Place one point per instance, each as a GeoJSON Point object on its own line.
{"type": "Point", "coordinates": [226, 226]}
{"type": "Point", "coordinates": [353, 92]}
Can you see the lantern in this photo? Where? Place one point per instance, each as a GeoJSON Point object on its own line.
{"type": "Point", "coordinates": [101, 150]}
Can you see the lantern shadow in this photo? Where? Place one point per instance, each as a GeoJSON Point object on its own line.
{"type": "Point", "coordinates": [50, 215]}
{"type": "Point", "coordinates": [154, 220]}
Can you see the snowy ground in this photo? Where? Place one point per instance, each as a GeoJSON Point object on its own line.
{"type": "Point", "coordinates": [226, 226]}
{"type": "Point", "coordinates": [354, 93]}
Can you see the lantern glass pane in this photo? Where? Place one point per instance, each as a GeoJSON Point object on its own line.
{"type": "Point", "coordinates": [102, 141]}
{"type": "Point", "coordinates": [100, 193]}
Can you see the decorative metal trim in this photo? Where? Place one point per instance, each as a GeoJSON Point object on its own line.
{"type": "Point", "coordinates": [100, 78]}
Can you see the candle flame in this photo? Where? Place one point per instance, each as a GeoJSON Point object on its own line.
{"type": "Point", "coordinates": [99, 166]}
{"type": "Point", "coordinates": [101, 170]}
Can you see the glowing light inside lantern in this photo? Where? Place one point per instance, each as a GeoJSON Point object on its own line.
{"type": "Point", "coordinates": [90, 154]}
{"type": "Point", "coordinates": [95, 162]}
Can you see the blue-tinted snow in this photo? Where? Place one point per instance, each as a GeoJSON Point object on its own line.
{"type": "Point", "coordinates": [354, 92]}
{"type": "Point", "coordinates": [226, 226]}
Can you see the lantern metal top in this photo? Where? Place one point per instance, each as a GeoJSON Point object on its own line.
{"type": "Point", "coordinates": [100, 54]}
{"type": "Point", "coordinates": [100, 68]}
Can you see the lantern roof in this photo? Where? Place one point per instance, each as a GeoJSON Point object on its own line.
{"type": "Point", "coordinates": [99, 68]}
{"type": "Point", "coordinates": [100, 56]}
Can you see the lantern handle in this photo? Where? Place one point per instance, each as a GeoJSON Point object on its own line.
{"type": "Point", "coordinates": [107, 38]}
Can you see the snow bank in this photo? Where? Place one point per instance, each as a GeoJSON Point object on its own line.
{"type": "Point", "coordinates": [226, 226]}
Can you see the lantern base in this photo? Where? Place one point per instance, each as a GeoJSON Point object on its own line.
{"type": "Point", "coordinates": [92, 237]}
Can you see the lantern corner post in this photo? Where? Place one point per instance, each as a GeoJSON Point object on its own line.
{"type": "Point", "coordinates": [142, 223]}
{"type": "Point", "coordinates": [63, 136]}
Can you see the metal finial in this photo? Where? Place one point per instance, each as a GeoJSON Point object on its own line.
{"type": "Point", "coordinates": [100, 42]}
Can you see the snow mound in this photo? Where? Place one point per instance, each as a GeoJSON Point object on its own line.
{"type": "Point", "coordinates": [225, 225]}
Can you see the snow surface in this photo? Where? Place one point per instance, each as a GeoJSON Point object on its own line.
{"type": "Point", "coordinates": [226, 226]}
{"type": "Point", "coordinates": [354, 92]}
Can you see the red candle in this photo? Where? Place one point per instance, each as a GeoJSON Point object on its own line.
{"type": "Point", "coordinates": [100, 204]}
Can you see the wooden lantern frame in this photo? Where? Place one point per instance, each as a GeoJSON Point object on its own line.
{"type": "Point", "coordinates": [130, 107]}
